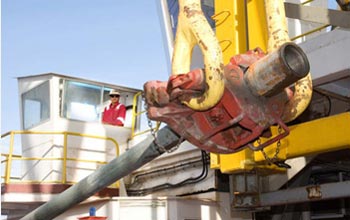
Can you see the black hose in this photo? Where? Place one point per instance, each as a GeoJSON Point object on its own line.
{"type": "Point", "coordinates": [191, 180]}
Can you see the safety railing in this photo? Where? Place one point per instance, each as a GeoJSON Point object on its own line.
{"type": "Point", "coordinates": [9, 157]}
{"type": "Point", "coordinates": [314, 30]}
{"type": "Point", "coordinates": [135, 115]}
{"type": "Point", "coordinates": [310, 32]}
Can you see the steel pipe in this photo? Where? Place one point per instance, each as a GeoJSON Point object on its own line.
{"type": "Point", "coordinates": [273, 73]}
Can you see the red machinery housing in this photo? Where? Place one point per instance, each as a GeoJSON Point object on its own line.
{"type": "Point", "coordinates": [256, 91]}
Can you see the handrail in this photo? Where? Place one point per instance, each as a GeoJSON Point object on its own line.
{"type": "Point", "coordinates": [306, 2]}
{"type": "Point", "coordinates": [19, 158]}
{"type": "Point", "coordinates": [9, 163]}
{"type": "Point", "coordinates": [134, 113]}
{"type": "Point", "coordinates": [133, 120]}
{"type": "Point", "coordinates": [64, 133]}
{"type": "Point", "coordinates": [11, 157]}
{"type": "Point", "coordinates": [310, 32]}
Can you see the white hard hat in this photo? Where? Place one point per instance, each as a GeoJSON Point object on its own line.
{"type": "Point", "coordinates": [114, 92]}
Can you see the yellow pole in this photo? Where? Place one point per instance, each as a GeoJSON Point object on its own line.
{"type": "Point", "coordinates": [9, 159]}
{"type": "Point", "coordinates": [64, 168]}
{"type": "Point", "coordinates": [232, 24]}
{"type": "Point", "coordinates": [134, 114]}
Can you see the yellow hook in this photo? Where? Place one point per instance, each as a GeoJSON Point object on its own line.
{"type": "Point", "coordinates": [193, 29]}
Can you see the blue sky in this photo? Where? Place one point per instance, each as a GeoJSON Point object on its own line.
{"type": "Point", "coordinates": [113, 41]}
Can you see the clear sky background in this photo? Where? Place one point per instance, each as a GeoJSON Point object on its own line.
{"type": "Point", "coordinates": [112, 41]}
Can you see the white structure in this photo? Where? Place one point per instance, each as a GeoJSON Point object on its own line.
{"type": "Point", "coordinates": [63, 141]}
{"type": "Point", "coordinates": [54, 103]}
{"type": "Point", "coordinates": [157, 208]}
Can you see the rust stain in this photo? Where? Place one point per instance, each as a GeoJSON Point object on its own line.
{"type": "Point", "coordinates": [191, 12]}
{"type": "Point", "coordinates": [203, 45]}
{"type": "Point", "coordinates": [201, 99]}
{"type": "Point", "coordinates": [278, 11]}
{"type": "Point", "coordinates": [219, 71]}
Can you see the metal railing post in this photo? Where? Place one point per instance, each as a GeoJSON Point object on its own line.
{"type": "Point", "coordinates": [64, 164]}
{"type": "Point", "coordinates": [9, 159]}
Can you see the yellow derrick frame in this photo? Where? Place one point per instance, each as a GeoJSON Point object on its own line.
{"type": "Point", "coordinates": [240, 27]}
{"type": "Point", "coordinates": [234, 20]}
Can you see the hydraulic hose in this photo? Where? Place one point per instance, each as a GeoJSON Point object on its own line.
{"type": "Point", "coordinates": [191, 180]}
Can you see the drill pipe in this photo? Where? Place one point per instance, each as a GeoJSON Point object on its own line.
{"type": "Point", "coordinates": [119, 167]}
{"type": "Point", "coordinates": [273, 73]}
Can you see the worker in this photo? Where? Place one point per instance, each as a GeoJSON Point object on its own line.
{"type": "Point", "coordinates": [114, 113]}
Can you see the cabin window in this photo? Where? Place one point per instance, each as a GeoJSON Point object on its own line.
{"type": "Point", "coordinates": [82, 101]}
{"type": "Point", "coordinates": [85, 102]}
{"type": "Point", "coordinates": [36, 105]}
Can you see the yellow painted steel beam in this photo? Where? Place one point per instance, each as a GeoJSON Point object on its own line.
{"type": "Point", "coordinates": [231, 33]}
{"type": "Point", "coordinates": [311, 138]}
{"type": "Point", "coordinates": [239, 27]}
{"type": "Point", "coordinates": [237, 162]}
{"type": "Point", "coordinates": [230, 27]}
{"type": "Point", "coordinates": [257, 26]}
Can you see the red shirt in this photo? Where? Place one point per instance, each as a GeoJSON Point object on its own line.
{"type": "Point", "coordinates": [114, 115]}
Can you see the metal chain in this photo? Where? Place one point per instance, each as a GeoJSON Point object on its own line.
{"type": "Point", "coordinates": [273, 160]}
{"type": "Point", "coordinates": [154, 133]}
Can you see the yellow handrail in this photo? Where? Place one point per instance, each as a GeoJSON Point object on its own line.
{"type": "Point", "coordinates": [20, 158]}
{"type": "Point", "coordinates": [310, 32]}
{"type": "Point", "coordinates": [10, 156]}
{"type": "Point", "coordinates": [133, 120]}
{"type": "Point", "coordinates": [9, 162]}
{"type": "Point", "coordinates": [306, 2]}
{"type": "Point", "coordinates": [67, 133]}
{"type": "Point", "coordinates": [64, 164]}
{"type": "Point", "coordinates": [134, 113]}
